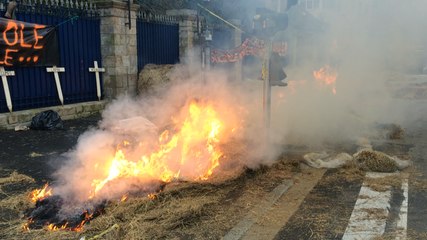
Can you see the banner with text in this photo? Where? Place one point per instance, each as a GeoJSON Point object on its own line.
{"type": "Point", "coordinates": [27, 44]}
{"type": "Point", "coordinates": [251, 46]}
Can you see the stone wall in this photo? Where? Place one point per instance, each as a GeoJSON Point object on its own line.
{"type": "Point", "coordinates": [119, 44]}
{"type": "Point", "coordinates": [71, 111]}
{"type": "Point", "coordinates": [118, 48]}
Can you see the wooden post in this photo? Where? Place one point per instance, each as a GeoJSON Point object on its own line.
{"type": "Point", "coordinates": [55, 71]}
{"type": "Point", "coordinates": [4, 74]}
{"type": "Point", "coordinates": [97, 70]}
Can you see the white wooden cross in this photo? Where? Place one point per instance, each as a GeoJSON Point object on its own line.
{"type": "Point", "coordinates": [55, 71]}
{"type": "Point", "coordinates": [97, 70]}
{"type": "Point", "coordinates": [4, 74]}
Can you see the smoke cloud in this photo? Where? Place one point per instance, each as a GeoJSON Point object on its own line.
{"type": "Point", "coordinates": [366, 43]}
{"type": "Point", "coordinates": [372, 45]}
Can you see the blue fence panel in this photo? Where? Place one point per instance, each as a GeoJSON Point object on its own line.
{"type": "Point", "coordinates": [222, 38]}
{"type": "Point", "coordinates": [79, 45]}
{"type": "Point", "coordinates": [157, 41]}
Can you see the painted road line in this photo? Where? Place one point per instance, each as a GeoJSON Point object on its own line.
{"type": "Point", "coordinates": [325, 211]}
{"type": "Point", "coordinates": [371, 211]}
{"type": "Point", "coordinates": [267, 226]}
{"type": "Point", "coordinates": [402, 224]}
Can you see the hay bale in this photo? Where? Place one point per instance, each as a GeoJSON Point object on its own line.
{"type": "Point", "coordinates": [370, 160]}
{"type": "Point", "coordinates": [396, 132]}
{"type": "Point", "coordinates": [390, 131]}
{"type": "Point", "coordinates": [153, 76]}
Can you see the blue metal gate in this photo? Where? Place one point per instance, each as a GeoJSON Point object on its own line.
{"type": "Point", "coordinates": [78, 29]}
{"type": "Point", "coordinates": [157, 40]}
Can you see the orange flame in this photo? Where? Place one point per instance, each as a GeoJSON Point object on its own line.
{"type": "Point", "coordinates": [124, 198]}
{"type": "Point", "coordinates": [189, 150]}
{"type": "Point", "coordinates": [152, 196]}
{"type": "Point", "coordinates": [26, 226]}
{"type": "Point", "coordinates": [53, 227]}
{"type": "Point", "coordinates": [327, 76]}
{"type": "Point", "coordinates": [40, 194]}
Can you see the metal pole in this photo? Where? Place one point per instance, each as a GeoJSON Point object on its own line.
{"type": "Point", "coordinates": [208, 56]}
{"type": "Point", "coordinates": [267, 85]}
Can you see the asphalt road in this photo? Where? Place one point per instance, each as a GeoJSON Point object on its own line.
{"type": "Point", "coordinates": [39, 153]}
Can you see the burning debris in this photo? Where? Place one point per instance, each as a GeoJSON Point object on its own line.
{"type": "Point", "coordinates": [53, 212]}
{"type": "Point", "coordinates": [195, 139]}
{"type": "Point", "coordinates": [188, 149]}
{"type": "Point", "coordinates": [48, 214]}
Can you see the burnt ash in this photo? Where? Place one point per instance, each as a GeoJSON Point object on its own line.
{"type": "Point", "coordinates": [48, 211]}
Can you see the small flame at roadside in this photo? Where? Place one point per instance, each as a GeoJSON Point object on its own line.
{"type": "Point", "coordinates": [152, 196]}
{"type": "Point", "coordinates": [26, 226]}
{"type": "Point", "coordinates": [124, 198]}
{"type": "Point", "coordinates": [327, 76]}
{"type": "Point", "coordinates": [53, 227]}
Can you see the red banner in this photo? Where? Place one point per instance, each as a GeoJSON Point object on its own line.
{"type": "Point", "coordinates": [27, 44]}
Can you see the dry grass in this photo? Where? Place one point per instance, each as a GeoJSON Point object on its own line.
{"type": "Point", "coordinates": [412, 235]}
{"type": "Point", "coordinates": [375, 213]}
{"type": "Point", "coordinates": [183, 210]}
{"type": "Point", "coordinates": [382, 184]}
{"type": "Point", "coordinates": [15, 202]}
{"type": "Point", "coordinates": [15, 177]}
{"type": "Point", "coordinates": [417, 180]}
{"type": "Point", "coordinates": [351, 171]}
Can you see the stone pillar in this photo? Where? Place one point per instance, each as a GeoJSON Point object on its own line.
{"type": "Point", "coordinates": [187, 32]}
{"type": "Point", "coordinates": [118, 47]}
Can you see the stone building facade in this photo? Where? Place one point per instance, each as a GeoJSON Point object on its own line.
{"type": "Point", "coordinates": [119, 48]}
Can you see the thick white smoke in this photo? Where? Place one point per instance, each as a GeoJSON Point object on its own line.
{"type": "Point", "coordinates": [363, 46]}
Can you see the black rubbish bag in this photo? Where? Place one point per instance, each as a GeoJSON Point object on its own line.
{"type": "Point", "coordinates": [47, 120]}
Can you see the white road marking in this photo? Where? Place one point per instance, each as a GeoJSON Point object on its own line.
{"type": "Point", "coordinates": [369, 217]}
{"type": "Point", "coordinates": [402, 224]}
